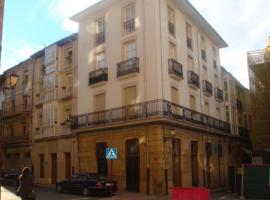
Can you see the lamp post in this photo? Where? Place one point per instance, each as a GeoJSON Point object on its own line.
{"type": "Point", "coordinates": [9, 82]}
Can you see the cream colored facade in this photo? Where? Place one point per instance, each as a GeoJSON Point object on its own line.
{"type": "Point", "coordinates": [150, 84]}
{"type": "Point", "coordinates": [54, 147]}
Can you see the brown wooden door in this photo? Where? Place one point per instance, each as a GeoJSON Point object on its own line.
{"type": "Point", "coordinates": [54, 168]}
{"type": "Point", "coordinates": [208, 150]}
{"type": "Point", "coordinates": [176, 161]}
{"type": "Point", "coordinates": [67, 165]}
{"type": "Point", "coordinates": [132, 165]}
{"type": "Point", "coordinates": [194, 163]}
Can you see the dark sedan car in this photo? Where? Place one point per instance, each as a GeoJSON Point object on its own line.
{"type": "Point", "coordinates": [86, 184]}
{"type": "Point", "coordinates": [11, 177]}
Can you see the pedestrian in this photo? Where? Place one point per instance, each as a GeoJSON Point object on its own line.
{"type": "Point", "coordinates": [25, 189]}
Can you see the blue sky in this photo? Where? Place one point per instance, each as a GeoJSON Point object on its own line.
{"type": "Point", "coordinates": [30, 25]}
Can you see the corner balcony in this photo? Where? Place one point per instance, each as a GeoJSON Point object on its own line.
{"type": "Point", "coordinates": [207, 88]}
{"type": "Point", "coordinates": [97, 76]}
{"type": "Point", "coordinates": [129, 26]}
{"type": "Point", "coordinates": [218, 94]}
{"type": "Point", "coordinates": [193, 79]}
{"type": "Point", "coordinates": [151, 110]}
{"type": "Point", "coordinates": [175, 69]}
{"type": "Point", "coordinates": [127, 67]}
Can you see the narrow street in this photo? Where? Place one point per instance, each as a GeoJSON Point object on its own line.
{"type": "Point", "coordinates": [8, 193]}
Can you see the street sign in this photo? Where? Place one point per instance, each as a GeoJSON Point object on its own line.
{"type": "Point", "coordinates": [111, 153]}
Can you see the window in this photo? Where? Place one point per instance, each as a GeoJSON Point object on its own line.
{"type": "Point", "coordinates": [41, 165]}
{"type": "Point", "coordinates": [69, 56]}
{"type": "Point", "coordinates": [192, 102]}
{"type": "Point", "coordinates": [189, 36]}
{"type": "Point", "coordinates": [171, 21]}
{"type": "Point", "coordinates": [99, 102]}
{"type": "Point", "coordinates": [205, 75]}
{"type": "Point", "coordinates": [66, 113]}
{"type": "Point", "coordinates": [218, 113]}
{"type": "Point", "coordinates": [130, 95]}
{"type": "Point", "coordinates": [206, 108]}
{"type": "Point", "coordinates": [216, 80]}
{"type": "Point", "coordinates": [100, 31]}
{"type": "Point", "coordinates": [102, 167]}
{"type": "Point", "coordinates": [172, 50]}
{"type": "Point", "coordinates": [203, 48]}
{"type": "Point", "coordinates": [174, 95]}
{"type": "Point", "coordinates": [129, 18]}
{"type": "Point", "coordinates": [130, 50]}
{"type": "Point", "coordinates": [100, 60]}
{"type": "Point", "coordinates": [214, 64]}
{"type": "Point", "coordinates": [190, 63]}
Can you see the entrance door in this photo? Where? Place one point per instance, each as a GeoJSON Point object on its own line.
{"type": "Point", "coordinates": [194, 163]}
{"type": "Point", "coordinates": [67, 165]}
{"type": "Point", "coordinates": [54, 168]}
{"type": "Point", "coordinates": [176, 161]}
{"type": "Point", "coordinates": [208, 150]}
{"type": "Point", "coordinates": [132, 165]}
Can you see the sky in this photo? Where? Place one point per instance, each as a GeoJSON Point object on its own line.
{"type": "Point", "coordinates": [31, 25]}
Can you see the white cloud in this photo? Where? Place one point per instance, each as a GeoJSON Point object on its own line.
{"type": "Point", "coordinates": [244, 24]}
{"type": "Point", "coordinates": [62, 10]}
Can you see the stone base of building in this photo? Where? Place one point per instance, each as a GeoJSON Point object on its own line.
{"type": "Point", "coordinates": [153, 158]}
{"type": "Point", "coordinates": [53, 160]}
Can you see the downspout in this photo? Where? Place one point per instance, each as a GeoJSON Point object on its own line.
{"type": "Point", "coordinates": [162, 96]}
{"type": "Point", "coordinates": [146, 131]}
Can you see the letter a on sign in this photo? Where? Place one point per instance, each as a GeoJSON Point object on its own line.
{"type": "Point", "coordinates": [111, 153]}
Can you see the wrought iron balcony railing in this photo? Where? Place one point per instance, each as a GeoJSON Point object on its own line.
{"type": "Point", "coordinates": [129, 26]}
{"type": "Point", "coordinates": [193, 79]}
{"type": "Point", "coordinates": [65, 93]}
{"type": "Point", "coordinates": [207, 87]}
{"type": "Point", "coordinates": [148, 110]}
{"type": "Point", "coordinates": [175, 68]}
{"type": "Point", "coordinates": [16, 139]}
{"type": "Point", "coordinates": [15, 110]}
{"type": "Point", "coordinates": [98, 75]}
{"type": "Point", "coordinates": [218, 94]}
{"type": "Point", "coordinates": [128, 67]}
{"type": "Point", "coordinates": [100, 38]}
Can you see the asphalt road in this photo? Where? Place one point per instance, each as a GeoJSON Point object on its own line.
{"type": "Point", "coordinates": [8, 193]}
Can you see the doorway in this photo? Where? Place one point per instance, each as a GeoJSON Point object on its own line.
{"type": "Point", "coordinates": [132, 165]}
{"type": "Point", "coordinates": [54, 168]}
{"type": "Point", "coordinates": [67, 165]}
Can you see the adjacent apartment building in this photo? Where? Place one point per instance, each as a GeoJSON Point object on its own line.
{"type": "Point", "coordinates": [259, 76]}
{"type": "Point", "coordinates": [150, 84]}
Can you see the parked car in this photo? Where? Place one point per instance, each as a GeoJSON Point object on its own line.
{"type": "Point", "coordinates": [86, 184]}
{"type": "Point", "coordinates": [11, 177]}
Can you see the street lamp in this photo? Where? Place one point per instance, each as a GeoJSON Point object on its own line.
{"type": "Point", "coordinates": [11, 81]}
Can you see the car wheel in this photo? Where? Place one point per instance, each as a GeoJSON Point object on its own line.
{"type": "Point", "coordinates": [59, 188]}
{"type": "Point", "coordinates": [85, 192]}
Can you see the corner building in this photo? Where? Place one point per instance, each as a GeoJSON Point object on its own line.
{"type": "Point", "coordinates": [150, 84]}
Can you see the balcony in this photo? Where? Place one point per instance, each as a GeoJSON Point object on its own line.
{"type": "Point", "coordinates": [175, 68]}
{"type": "Point", "coordinates": [16, 139]}
{"type": "Point", "coordinates": [239, 105]}
{"type": "Point", "coordinates": [218, 94]}
{"type": "Point", "coordinates": [17, 110]}
{"type": "Point", "coordinates": [129, 26]}
{"type": "Point", "coordinates": [158, 109]}
{"type": "Point", "coordinates": [171, 28]}
{"type": "Point", "coordinates": [207, 88]}
{"type": "Point", "coordinates": [65, 93]}
{"type": "Point", "coordinates": [193, 79]}
{"type": "Point", "coordinates": [100, 38]}
{"type": "Point", "coordinates": [127, 67]}
{"type": "Point", "coordinates": [97, 76]}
